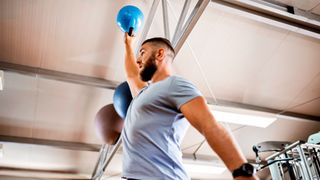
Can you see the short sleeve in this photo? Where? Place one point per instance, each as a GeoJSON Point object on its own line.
{"type": "Point", "coordinates": [182, 91]}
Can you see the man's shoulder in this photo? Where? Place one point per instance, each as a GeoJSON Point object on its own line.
{"type": "Point", "coordinates": [179, 79]}
{"type": "Point", "coordinates": [180, 83]}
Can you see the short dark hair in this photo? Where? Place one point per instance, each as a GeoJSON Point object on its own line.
{"type": "Point", "coordinates": [161, 41]}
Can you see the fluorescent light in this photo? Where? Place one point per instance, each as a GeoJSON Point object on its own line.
{"type": "Point", "coordinates": [242, 116]}
{"type": "Point", "coordinates": [1, 80]}
{"type": "Point", "coordinates": [203, 165]}
{"type": "Point", "coordinates": [204, 169]}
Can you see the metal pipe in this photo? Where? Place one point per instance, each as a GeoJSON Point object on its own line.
{"type": "Point", "coordinates": [58, 75]}
{"type": "Point", "coordinates": [308, 145]}
{"type": "Point", "coordinates": [189, 25]}
{"type": "Point", "coordinates": [305, 164]}
{"type": "Point", "coordinates": [98, 163]}
{"type": "Point", "coordinates": [165, 19]}
{"type": "Point", "coordinates": [285, 149]}
{"type": "Point", "coordinates": [181, 20]}
{"type": "Point", "coordinates": [113, 152]}
{"type": "Point", "coordinates": [54, 143]}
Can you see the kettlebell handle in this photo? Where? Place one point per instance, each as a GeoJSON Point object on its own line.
{"type": "Point", "coordinates": [130, 33]}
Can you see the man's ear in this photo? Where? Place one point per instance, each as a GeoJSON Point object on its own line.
{"type": "Point", "coordinates": [160, 54]}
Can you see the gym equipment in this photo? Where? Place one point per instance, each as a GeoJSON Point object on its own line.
{"type": "Point", "coordinates": [298, 160]}
{"type": "Point", "coordinates": [130, 19]}
{"type": "Point", "coordinates": [268, 146]}
{"type": "Point", "coordinates": [108, 124]}
{"type": "Point", "coordinates": [122, 98]}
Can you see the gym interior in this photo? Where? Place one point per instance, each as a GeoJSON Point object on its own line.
{"type": "Point", "coordinates": [257, 63]}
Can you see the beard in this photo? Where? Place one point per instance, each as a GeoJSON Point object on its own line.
{"type": "Point", "coordinates": [149, 69]}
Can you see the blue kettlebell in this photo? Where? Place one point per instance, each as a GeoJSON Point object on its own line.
{"type": "Point", "coordinates": [129, 19]}
{"type": "Point", "coordinates": [121, 99]}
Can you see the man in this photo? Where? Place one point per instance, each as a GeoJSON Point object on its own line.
{"type": "Point", "coordinates": [160, 113]}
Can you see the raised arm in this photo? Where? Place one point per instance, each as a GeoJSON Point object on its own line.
{"type": "Point", "coordinates": [131, 67]}
{"type": "Point", "coordinates": [198, 114]}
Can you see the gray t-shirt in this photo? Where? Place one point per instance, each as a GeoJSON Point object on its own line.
{"type": "Point", "coordinates": [154, 128]}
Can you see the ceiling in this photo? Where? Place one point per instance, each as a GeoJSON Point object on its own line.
{"type": "Point", "coordinates": [233, 57]}
{"type": "Point", "coordinates": [307, 5]}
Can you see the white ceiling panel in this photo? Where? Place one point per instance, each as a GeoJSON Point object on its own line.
{"type": "Point", "coordinates": [289, 71]}
{"type": "Point", "coordinates": [44, 158]}
{"type": "Point", "coordinates": [21, 39]}
{"type": "Point", "coordinates": [237, 56]}
{"type": "Point", "coordinates": [35, 158]}
{"type": "Point", "coordinates": [43, 108]}
{"type": "Point", "coordinates": [316, 10]}
{"type": "Point", "coordinates": [66, 111]}
{"type": "Point", "coordinates": [17, 104]}
{"type": "Point", "coordinates": [306, 101]}
{"type": "Point", "coordinates": [312, 107]}
{"type": "Point", "coordinates": [73, 36]}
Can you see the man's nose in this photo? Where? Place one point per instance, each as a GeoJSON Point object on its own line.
{"type": "Point", "coordinates": [138, 60]}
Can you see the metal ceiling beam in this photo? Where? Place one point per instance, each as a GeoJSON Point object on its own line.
{"type": "Point", "coordinates": [58, 75]}
{"type": "Point", "coordinates": [52, 143]}
{"type": "Point", "coordinates": [285, 18]}
{"type": "Point", "coordinates": [182, 36]}
{"type": "Point", "coordinates": [165, 19]}
{"type": "Point", "coordinates": [181, 20]}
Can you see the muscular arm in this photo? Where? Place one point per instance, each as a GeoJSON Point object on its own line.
{"type": "Point", "coordinates": [131, 67]}
{"type": "Point", "coordinates": [198, 114]}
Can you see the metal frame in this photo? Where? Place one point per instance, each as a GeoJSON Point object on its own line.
{"type": "Point", "coordinates": [305, 164]}
{"type": "Point", "coordinates": [105, 159]}
{"type": "Point", "coordinates": [301, 159]}
{"type": "Point", "coordinates": [53, 143]}
{"type": "Point", "coordinates": [165, 19]}
{"type": "Point", "coordinates": [285, 18]}
{"type": "Point", "coordinates": [58, 75]}
{"type": "Point", "coordinates": [181, 20]}
{"type": "Point", "coordinates": [181, 37]}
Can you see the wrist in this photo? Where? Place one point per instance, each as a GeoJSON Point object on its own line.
{"type": "Point", "coordinates": [245, 170]}
{"type": "Point", "coordinates": [128, 47]}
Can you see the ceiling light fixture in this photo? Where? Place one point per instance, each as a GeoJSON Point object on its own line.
{"type": "Point", "coordinates": [242, 116]}
{"type": "Point", "coordinates": [203, 167]}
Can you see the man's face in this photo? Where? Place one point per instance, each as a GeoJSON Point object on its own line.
{"type": "Point", "coordinates": [147, 63]}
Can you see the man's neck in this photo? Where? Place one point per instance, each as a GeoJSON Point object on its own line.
{"type": "Point", "coordinates": [161, 75]}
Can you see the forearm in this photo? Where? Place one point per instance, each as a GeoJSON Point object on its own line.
{"type": "Point", "coordinates": [224, 145]}
{"type": "Point", "coordinates": [199, 115]}
{"type": "Point", "coordinates": [132, 69]}
{"type": "Point", "coordinates": [131, 66]}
